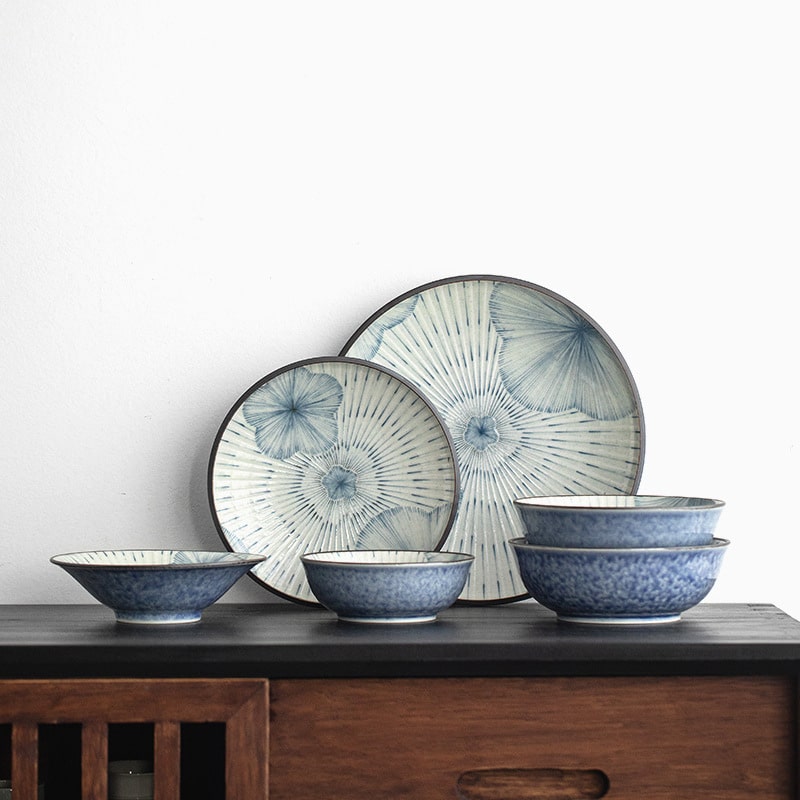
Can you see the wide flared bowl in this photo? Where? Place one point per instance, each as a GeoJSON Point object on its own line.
{"type": "Point", "coordinates": [157, 586]}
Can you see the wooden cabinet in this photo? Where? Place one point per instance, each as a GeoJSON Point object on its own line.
{"type": "Point", "coordinates": [655, 738]}
{"type": "Point", "coordinates": [493, 703]}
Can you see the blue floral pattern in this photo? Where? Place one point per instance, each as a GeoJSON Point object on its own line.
{"type": "Point", "coordinates": [340, 483]}
{"type": "Point", "coordinates": [402, 528]}
{"type": "Point", "coordinates": [373, 336]}
{"type": "Point", "coordinates": [294, 413]}
{"type": "Point", "coordinates": [552, 359]}
{"type": "Point", "coordinates": [481, 432]}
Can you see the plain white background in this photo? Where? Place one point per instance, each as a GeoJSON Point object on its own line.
{"type": "Point", "coordinates": [194, 194]}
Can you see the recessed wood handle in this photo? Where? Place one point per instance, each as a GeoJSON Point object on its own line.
{"type": "Point", "coordinates": [532, 784]}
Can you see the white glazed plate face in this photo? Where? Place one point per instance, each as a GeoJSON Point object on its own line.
{"type": "Point", "coordinates": [536, 397]}
{"type": "Point", "coordinates": [330, 454]}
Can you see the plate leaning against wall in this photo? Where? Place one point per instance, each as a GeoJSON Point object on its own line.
{"type": "Point", "coordinates": [330, 453]}
{"type": "Point", "coordinates": [537, 399]}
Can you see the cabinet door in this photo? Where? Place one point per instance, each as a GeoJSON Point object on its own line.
{"type": "Point", "coordinates": [627, 738]}
{"type": "Point", "coordinates": [242, 705]}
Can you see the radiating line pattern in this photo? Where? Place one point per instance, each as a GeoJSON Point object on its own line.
{"type": "Point", "coordinates": [152, 558]}
{"type": "Point", "coordinates": [330, 454]}
{"type": "Point", "coordinates": [536, 398]}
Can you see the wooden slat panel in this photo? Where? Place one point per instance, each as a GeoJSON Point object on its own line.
{"type": "Point", "coordinates": [247, 749]}
{"type": "Point", "coordinates": [659, 738]}
{"type": "Point", "coordinates": [242, 704]}
{"type": "Point", "coordinates": [167, 760]}
{"type": "Point", "coordinates": [94, 761]}
{"type": "Point", "coordinates": [24, 758]}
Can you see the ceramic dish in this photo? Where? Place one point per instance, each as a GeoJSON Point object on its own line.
{"type": "Point", "coordinates": [619, 520]}
{"type": "Point", "coordinates": [620, 585]}
{"type": "Point", "coordinates": [537, 399]}
{"type": "Point", "coordinates": [330, 454]}
{"type": "Point", "coordinates": [156, 586]}
{"type": "Point", "coordinates": [387, 586]}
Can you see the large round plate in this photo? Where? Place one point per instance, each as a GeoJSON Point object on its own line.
{"type": "Point", "coordinates": [537, 398]}
{"type": "Point", "coordinates": [330, 454]}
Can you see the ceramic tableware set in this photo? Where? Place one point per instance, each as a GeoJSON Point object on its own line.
{"type": "Point", "coordinates": [394, 469]}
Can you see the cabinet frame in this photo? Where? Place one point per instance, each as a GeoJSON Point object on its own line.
{"type": "Point", "coordinates": [241, 704]}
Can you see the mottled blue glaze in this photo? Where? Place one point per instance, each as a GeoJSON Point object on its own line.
{"type": "Point", "coordinates": [388, 586]}
{"type": "Point", "coordinates": [634, 585]}
{"type": "Point", "coordinates": [156, 586]}
{"type": "Point", "coordinates": [618, 520]}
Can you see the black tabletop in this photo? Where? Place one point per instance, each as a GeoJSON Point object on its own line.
{"type": "Point", "coordinates": [279, 640]}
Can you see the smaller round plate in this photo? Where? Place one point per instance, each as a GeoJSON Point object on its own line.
{"type": "Point", "coordinates": [330, 453]}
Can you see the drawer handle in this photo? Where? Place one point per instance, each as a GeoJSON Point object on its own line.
{"type": "Point", "coordinates": [532, 784]}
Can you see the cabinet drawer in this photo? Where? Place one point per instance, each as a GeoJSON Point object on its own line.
{"type": "Point", "coordinates": [655, 738]}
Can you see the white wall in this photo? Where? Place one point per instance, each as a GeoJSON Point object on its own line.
{"type": "Point", "coordinates": [194, 194]}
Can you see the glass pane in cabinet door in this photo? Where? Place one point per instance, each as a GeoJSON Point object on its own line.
{"type": "Point", "coordinates": [202, 760]}
{"type": "Point", "coordinates": [60, 761]}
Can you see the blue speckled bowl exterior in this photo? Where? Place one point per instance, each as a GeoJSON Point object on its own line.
{"type": "Point", "coordinates": [619, 585]}
{"type": "Point", "coordinates": [156, 586]}
{"type": "Point", "coordinates": [619, 520]}
{"type": "Point", "coordinates": [387, 586]}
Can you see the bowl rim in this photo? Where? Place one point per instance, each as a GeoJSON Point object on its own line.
{"type": "Point", "coordinates": [573, 502]}
{"type": "Point", "coordinates": [716, 543]}
{"type": "Point", "coordinates": [227, 558]}
{"type": "Point", "coordinates": [325, 557]}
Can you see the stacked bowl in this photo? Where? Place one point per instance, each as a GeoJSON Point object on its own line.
{"type": "Point", "coordinates": [619, 559]}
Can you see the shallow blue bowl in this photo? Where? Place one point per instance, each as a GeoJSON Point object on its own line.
{"type": "Point", "coordinates": [619, 585]}
{"type": "Point", "coordinates": [156, 586]}
{"type": "Point", "coordinates": [618, 520]}
{"type": "Point", "coordinates": [387, 586]}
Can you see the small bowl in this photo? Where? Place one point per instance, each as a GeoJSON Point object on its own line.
{"type": "Point", "coordinates": [619, 585]}
{"type": "Point", "coordinates": [618, 520]}
{"type": "Point", "coordinates": [157, 586]}
{"type": "Point", "coordinates": [387, 586]}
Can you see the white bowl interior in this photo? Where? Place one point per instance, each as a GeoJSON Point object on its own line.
{"type": "Point", "coordinates": [386, 557]}
{"type": "Point", "coordinates": [522, 543]}
{"type": "Point", "coordinates": [153, 558]}
{"type": "Point", "coordinates": [621, 501]}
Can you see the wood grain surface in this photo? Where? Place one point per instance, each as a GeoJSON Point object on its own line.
{"type": "Point", "coordinates": [661, 738]}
